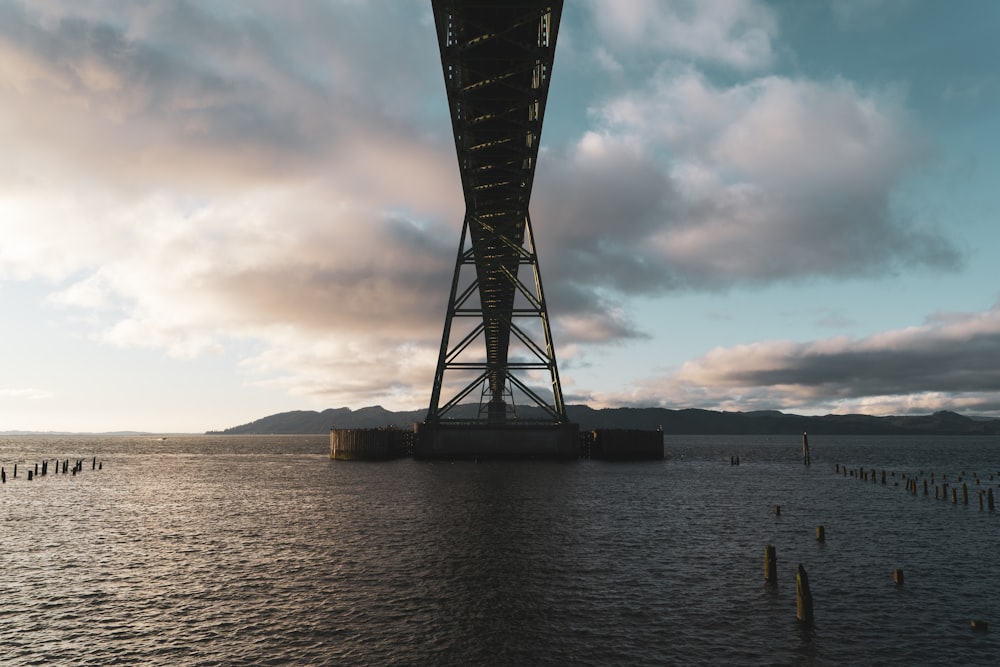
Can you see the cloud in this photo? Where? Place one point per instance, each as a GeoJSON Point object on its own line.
{"type": "Point", "coordinates": [194, 174]}
{"type": "Point", "coordinates": [26, 393]}
{"type": "Point", "coordinates": [736, 34]}
{"type": "Point", "coordinates": [687, 185]}
{"type": "Point", "coordinates": [205, 96]}
{"type": "Point", "coordinates": [940, 364]}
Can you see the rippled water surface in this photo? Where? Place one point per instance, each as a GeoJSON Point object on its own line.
{"type": "Point", "coordinates": [260, 550]}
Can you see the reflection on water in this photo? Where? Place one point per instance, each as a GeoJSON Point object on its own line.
{"type": "Point", "coordinates": [259, 550]}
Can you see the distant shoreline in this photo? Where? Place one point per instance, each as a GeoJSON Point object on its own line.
{"type": "Point", "coordinates": [673, 422]}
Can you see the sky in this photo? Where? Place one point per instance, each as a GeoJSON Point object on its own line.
{"type": "Point", "coordinates": [215, 211]}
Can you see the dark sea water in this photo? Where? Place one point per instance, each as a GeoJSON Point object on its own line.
{"type": "Point", "coordinates": [260, 550]}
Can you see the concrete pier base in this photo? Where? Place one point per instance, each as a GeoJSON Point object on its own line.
{"type": "Point", "coordinates": [627, 445]}
{"type": "Point", "coordinates": [470, 440]}
{"type": "Point", "coordinates": [369, 444]}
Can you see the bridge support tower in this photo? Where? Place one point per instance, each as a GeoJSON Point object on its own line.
{"type": "Point", "coordinates": [496, 389]}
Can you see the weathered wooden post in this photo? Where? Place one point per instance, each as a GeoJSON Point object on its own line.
{"type": "Point", "coordinates": [883, 476]}
{"type": "Point", "coordinates": [897, 577]}
{"type": "Point", "coordinates": [965, 494]}
{"type": "Point", "coordinates": [777, 510]}
{"type": "Point", "coordinates": [925, 486]}
{"type": "Point", "coordinates": [989, 499]}
{"type": "Point", "coordinates": [820, 534]}
{"type": "Point", "coordinates": [29, 474]}
{"type": "Point", "coordinates": [805, 449]}
{"type": "Point", "coordinates": [803, 598]}
{"type": "Point", "coordinates": [954, 496]}
{"type": "Point", "coordinates": [770, 565]}
{"type": "Point", "coordinates": [980, 494]}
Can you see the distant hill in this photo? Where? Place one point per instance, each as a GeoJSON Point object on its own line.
{"type": "Point", "coordinates": [680, 422]}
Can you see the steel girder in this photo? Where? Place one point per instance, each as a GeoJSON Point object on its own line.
{"type": "Point", "coordinates": [497, 61]}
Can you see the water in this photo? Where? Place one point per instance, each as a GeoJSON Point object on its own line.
{"type": "Point", "coordinates": [259, 550]}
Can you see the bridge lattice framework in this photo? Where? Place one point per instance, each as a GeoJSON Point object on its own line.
{"type": "Point", "coordinates": [497, 61]}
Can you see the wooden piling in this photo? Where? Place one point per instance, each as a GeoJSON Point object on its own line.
{"type": "Point", "coordinates": [989, 499]}
{"type": "Point", "coordinates": [803, 598]}
{"type": "Point", "coordinates": [805, 449]}
{"type": "Point", "coordinates": [897, 577]}
{"type": "Point", "coordinates": [979, 626]}
{"type": "Point", "coordinates": [965, 494]}
{"type": "Point", "coordinates": [29, 474]}
{"type": "Point", "coordinates": [954, 496]}
{"type": "Point", "coordinates": [770, 565]}
{"type": "Point", "coordinates": [820, 534]}
{"type": "Point", "coordinates": [925, 487]}
{"type": "Point", "coordinates": [777, 510]}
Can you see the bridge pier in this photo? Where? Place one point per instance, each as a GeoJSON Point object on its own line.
{"type": "Point", "coordinates": [470, 440]}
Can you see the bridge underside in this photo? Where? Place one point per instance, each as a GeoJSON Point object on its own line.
{"type": "Point", "coordinates": [497, 345]}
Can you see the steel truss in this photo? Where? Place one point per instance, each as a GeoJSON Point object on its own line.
{"type": "Point", "coordinates": [497, 62]}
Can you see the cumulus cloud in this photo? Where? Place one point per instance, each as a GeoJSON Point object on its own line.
{"type": "Point", "coordinates": [191, 174]}
{"type": "Point", "coordinates": [690, 185]}
{"type": "Point", "coordinates": [195, 175]}
{"type": "Point", "coordinates": [939, 364]}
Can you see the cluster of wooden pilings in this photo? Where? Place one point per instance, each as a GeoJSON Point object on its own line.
{"type": "Point", "coordinates": [41, 469]}
{"type": "Point", "coordinates": [955, 489]}
{"type": "Point", "coordinates": [803, 595]}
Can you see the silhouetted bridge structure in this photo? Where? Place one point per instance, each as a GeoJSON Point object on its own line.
{"type": "Point", "coordinates": [497, 347]}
